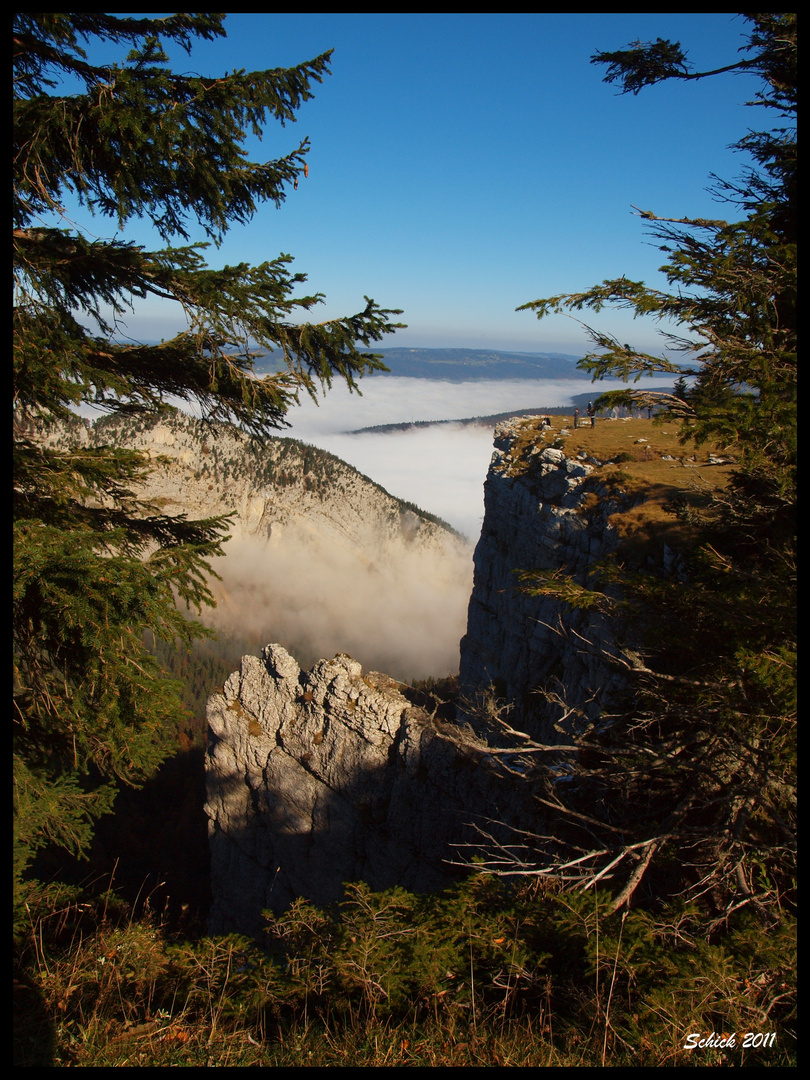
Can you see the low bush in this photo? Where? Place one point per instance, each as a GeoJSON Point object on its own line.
{"type": "Point", "coordinates": [485, 974]}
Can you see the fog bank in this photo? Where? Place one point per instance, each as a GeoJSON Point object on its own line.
{"type": "Point", "coordinates": [440, 469]}
{"type": "Point", "coordinates": [403, 614]}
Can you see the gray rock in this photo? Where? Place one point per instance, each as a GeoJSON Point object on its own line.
{"type": "Point", "coordinates": [331, 775]}
{"type": "Point", "coordinates": [525, 646]}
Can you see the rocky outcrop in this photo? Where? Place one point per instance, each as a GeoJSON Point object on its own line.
{"type": "Point", "coordinates": [544, 511]}
{"type": "Point", "coordinates": [331, 775]}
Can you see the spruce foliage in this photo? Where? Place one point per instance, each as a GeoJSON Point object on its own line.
{"type": "Point", "coordinates": [695, 783]}
{"type": "Point", "coordinates": [95, 566]}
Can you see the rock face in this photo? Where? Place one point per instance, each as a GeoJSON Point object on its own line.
{"type": "Point", "coordinates": [273, 487]}
{"type": "Point", "coordinates": [331, 775]}
{"type": "Point", "coordinates": [546, 512]}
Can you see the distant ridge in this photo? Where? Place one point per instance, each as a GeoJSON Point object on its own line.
{"type": "Point", "coordinates": [579, 401]}
{"type": "Point", "coordinates": [463, 365]}
{"type": "Point", "coordinates": [474, 421]}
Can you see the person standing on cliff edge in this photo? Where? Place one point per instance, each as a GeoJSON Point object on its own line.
{"type": "Point", "coordinates": [576, 419]}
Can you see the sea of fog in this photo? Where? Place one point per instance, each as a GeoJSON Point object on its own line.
{"type": "Point", "coordinates": [440, 469]}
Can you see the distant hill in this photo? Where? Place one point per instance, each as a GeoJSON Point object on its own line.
{"type": "Point", "coordinates": [488, 421]}
{"type": "Point", "coordinates": [464, 365]}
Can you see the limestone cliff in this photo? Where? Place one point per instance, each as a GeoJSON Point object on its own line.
{"type": "Point", "coordinates": [543, 511]}
{"type": "Point", "coordinates": [320, 777]}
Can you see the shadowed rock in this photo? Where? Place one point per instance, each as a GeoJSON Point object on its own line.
{"type": "Point", "coordinates": [331, 775]}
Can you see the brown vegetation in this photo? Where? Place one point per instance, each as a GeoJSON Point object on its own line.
{"type": "Point", "coordinates": [668, 479]}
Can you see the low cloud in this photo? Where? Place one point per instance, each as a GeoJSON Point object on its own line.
{"type": "Point", "coordinates": [388, 399]}
{"type": "Point", "coordinates": [441, 469]}
{"type": "Point", "coordinates": [403, 613]}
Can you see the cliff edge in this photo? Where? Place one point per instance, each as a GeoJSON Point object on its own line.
{"type": "Point", "coordinates": [320, 777]}
{"type": "Point", "coordinates": [543, 511]}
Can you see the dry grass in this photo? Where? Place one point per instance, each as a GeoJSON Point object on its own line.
{"type": "Point", "coordinates": [644, 459]}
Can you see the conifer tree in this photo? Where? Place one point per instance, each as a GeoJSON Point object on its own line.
{"type": "Point", "coordinates": [697, 778]}
{"type": "Point", "coordinates": [94, 566]}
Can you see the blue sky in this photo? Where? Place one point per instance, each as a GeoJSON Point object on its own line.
{"type": "Point", "coordinates": [462, 165]}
